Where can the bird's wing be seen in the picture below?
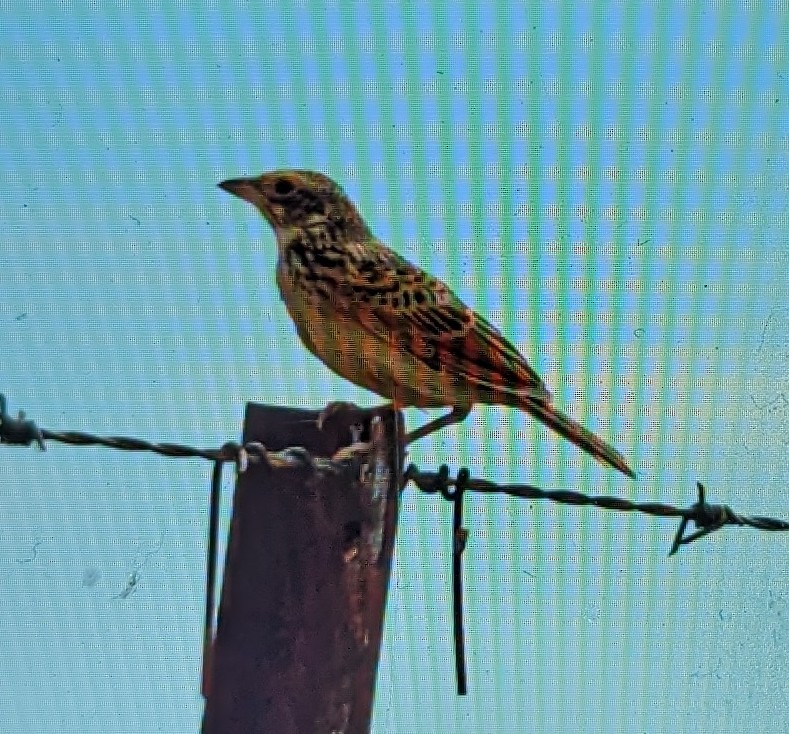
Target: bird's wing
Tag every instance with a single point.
(413, 311)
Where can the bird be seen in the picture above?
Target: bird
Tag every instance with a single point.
(385, 324)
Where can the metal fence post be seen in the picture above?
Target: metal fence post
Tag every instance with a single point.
(306, 574)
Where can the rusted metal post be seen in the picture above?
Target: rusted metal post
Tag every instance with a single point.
(305, 580)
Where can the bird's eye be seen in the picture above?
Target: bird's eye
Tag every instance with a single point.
(283, 187)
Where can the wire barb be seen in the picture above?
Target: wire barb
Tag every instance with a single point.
(705, 516)
(18, 431)
(709, 518)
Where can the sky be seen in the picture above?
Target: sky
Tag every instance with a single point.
(606, 182)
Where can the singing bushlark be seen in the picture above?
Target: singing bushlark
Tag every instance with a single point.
(384, 323)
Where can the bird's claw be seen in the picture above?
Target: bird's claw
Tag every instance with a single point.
(339, 409)
(356, 449)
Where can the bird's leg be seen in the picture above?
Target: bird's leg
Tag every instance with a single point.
(457, 414)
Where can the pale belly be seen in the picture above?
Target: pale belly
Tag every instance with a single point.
(366, 359)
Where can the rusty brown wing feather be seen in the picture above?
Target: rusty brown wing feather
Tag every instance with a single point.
(411, 311)
(415, 312)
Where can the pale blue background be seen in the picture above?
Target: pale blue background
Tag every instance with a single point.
(607, 182)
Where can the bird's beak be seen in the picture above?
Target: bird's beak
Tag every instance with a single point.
(244, 188)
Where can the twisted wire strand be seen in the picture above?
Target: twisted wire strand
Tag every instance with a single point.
(705, 516)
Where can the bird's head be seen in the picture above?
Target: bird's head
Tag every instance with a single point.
(297, 199)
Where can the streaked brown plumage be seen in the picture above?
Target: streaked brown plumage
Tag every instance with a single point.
(385, 324)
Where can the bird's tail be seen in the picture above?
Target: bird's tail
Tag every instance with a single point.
(580, 436)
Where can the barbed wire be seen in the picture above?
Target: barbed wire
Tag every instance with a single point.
(20, 431)
(706, 517)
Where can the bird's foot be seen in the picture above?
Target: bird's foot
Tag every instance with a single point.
(355, 450)
(358, 419)
(340, 410)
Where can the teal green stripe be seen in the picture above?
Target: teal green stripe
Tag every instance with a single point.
(594, 300)
(392, 162)
(274, 110)
(646, 277)
(713, 254)
(510, 564)
(299, 89)
(416, 125)
(354, 67)
(415, 592)
(558, 447)
(331, 140)
(623, 164)
(505, 135)
(535, 163)
(677, 366)
(540, 542)
(480, 263)
(448, 142)
(622, 336)
(563, 273)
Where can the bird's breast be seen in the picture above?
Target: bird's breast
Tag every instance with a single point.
(330, 329)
